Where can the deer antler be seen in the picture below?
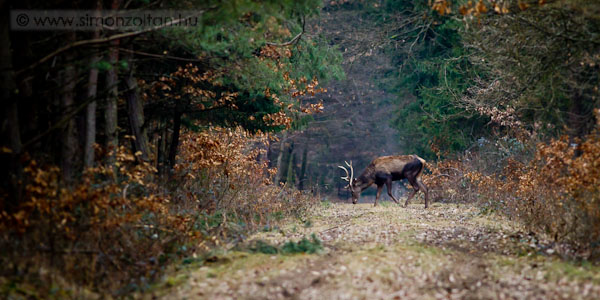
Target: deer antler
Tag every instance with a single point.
(351, 171)
(347, 174)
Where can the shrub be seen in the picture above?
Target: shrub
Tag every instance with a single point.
(556, 193)
(221, 173)
(98, 233)
(116, 229)
(446, 182)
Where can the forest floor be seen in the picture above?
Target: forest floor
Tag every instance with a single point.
(448, 251)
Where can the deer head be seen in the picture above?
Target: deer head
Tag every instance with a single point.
(351, 181)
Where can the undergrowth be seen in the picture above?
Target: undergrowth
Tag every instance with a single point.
(555, 191)
(117, 229)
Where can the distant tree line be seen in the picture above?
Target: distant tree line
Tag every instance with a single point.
(72, 98)
(469, 70)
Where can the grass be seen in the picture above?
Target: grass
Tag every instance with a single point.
(260, 255)
(305, 245)
(360, 261)
(176, 280)
(389, 203)
(575, 270)
(236, 262)
(326, 203)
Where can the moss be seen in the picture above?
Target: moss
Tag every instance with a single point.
(580, 271)
(176, 280)
(303, 246)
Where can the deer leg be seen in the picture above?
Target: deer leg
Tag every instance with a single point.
(379, 187)
(414, 191)
(388, 183)
(412, 194)
(425, 191)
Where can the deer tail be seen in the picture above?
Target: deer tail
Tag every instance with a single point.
(422, 166)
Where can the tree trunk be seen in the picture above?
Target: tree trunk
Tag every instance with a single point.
(161, 149)
(8, 85)
(11, 112)
(269, 152)
(12, 117)
(135, 110)
(280, 170)
(110, 113)
(302, 177)
(90, 110)
(174, 138)
(577, 120)
(25, 98)
(68, 135)
(289, 168)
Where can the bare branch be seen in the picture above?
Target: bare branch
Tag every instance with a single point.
(103, 40)
(294, 40)
(159, 55)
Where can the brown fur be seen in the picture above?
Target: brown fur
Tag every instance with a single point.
(385, 169)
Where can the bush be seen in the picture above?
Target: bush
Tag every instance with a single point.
(116, 229)
(220, 172)
(556, 193)
(446, 182)
(559, 193)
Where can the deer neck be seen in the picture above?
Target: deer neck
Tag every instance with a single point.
(362, 183)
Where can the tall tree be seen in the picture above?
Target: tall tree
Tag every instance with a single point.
(11, 111)
(7, 82)
(135, 112)
(92, 90)
(302, 176)
(177, 114)
(68, 149)
(112, 84)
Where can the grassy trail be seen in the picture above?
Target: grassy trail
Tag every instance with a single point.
(390, 252)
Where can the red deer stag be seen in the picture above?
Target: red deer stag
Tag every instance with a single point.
(384, 170)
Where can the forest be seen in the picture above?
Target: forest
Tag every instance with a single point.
(190, 149)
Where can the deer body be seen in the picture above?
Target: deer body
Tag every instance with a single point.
(383, 171)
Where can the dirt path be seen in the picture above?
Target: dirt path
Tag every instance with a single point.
(390, 252)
